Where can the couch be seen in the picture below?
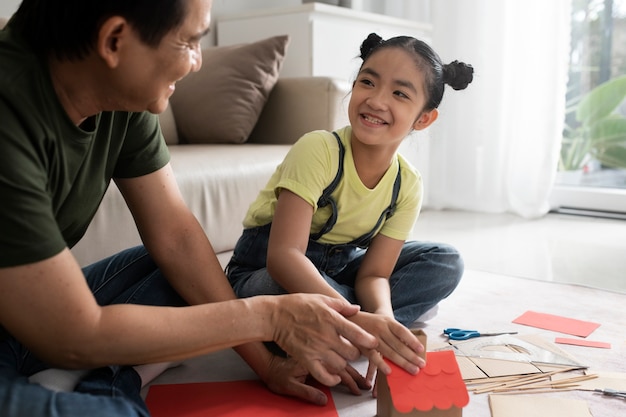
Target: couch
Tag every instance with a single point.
(227, 128)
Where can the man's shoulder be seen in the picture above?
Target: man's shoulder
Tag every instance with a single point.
(18, 64)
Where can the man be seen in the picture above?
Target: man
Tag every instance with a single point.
(80, 84)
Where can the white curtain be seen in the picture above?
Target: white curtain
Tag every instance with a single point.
(495, 146)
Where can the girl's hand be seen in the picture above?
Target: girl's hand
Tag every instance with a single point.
(395, 342)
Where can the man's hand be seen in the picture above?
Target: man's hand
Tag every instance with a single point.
(288, 377)
(313, 329)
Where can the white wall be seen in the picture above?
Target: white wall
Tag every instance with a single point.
(418, 10)
(8, 7)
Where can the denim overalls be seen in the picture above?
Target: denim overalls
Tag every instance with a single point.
(425, 273)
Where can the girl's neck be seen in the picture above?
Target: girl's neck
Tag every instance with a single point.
(371, 162)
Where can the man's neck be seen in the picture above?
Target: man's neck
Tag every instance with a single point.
(75, 88)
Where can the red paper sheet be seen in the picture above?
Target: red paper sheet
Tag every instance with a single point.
(231, 398)
(557, 323)
(581, 342)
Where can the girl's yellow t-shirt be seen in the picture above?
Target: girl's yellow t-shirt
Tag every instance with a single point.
(311, 165)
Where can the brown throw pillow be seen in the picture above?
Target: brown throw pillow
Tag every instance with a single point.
(222, 102)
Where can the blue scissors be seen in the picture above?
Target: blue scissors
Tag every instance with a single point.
(462, 334)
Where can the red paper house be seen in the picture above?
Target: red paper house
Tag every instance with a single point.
(437, 390)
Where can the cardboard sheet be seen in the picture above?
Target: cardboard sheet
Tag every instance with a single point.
(557, 323)
(230, 398)
(525, 406)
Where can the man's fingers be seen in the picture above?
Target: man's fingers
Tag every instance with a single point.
(376, 361)
(343, 307)
(350, 383)
(356, 336)
(321, 374)
(308, 393)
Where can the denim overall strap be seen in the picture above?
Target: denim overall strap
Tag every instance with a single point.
(326, 199)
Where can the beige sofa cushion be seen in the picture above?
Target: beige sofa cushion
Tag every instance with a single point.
(222, 102)
(218, 183)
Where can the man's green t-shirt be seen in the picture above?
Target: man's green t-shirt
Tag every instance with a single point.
(53, 174)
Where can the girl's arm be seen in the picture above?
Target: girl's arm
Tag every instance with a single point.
(286, 256)
(396, 342)
(288, 265)
(372, 281)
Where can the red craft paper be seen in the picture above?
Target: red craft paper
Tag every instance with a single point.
(581, 342)
(557, 323)
(230, 398)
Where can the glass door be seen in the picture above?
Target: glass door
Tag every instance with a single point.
(591, 178)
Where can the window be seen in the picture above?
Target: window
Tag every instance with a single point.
(593, 153)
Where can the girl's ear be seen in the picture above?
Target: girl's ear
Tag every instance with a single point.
(112, 36)
(425, 119)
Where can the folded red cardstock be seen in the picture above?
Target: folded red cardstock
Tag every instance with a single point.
(230, 398)
(557, 323)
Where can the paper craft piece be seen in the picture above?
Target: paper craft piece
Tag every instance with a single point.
(581, 342)
(469, 370)
(507, 355)
(497, 368)
(437, 390)
(557, 323)
(523, 406)
(231, 398)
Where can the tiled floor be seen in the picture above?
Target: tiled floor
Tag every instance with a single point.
(557, 247)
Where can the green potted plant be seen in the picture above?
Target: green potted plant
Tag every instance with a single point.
(599, 132)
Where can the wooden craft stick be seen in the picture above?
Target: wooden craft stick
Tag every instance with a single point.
(522, 381)
(538, 391)
(492, 380)
(568, 383)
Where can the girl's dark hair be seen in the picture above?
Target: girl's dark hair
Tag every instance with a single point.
(456, 74)
(69, 28)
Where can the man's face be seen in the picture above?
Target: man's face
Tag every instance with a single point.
(148, 75)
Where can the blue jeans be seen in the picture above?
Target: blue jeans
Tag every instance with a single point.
(128, 277)
(425, 273)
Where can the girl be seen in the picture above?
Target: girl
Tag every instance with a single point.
(334, 217)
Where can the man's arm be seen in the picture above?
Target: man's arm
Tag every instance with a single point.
(48, 306)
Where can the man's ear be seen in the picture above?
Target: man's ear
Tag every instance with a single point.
(425, 119)
(111, 38)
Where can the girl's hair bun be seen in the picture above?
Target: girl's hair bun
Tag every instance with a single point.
(371, 42)
(458, 74)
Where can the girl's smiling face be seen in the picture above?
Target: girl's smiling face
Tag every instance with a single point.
(387, 98)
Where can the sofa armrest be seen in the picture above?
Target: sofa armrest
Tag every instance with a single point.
(299, 105)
